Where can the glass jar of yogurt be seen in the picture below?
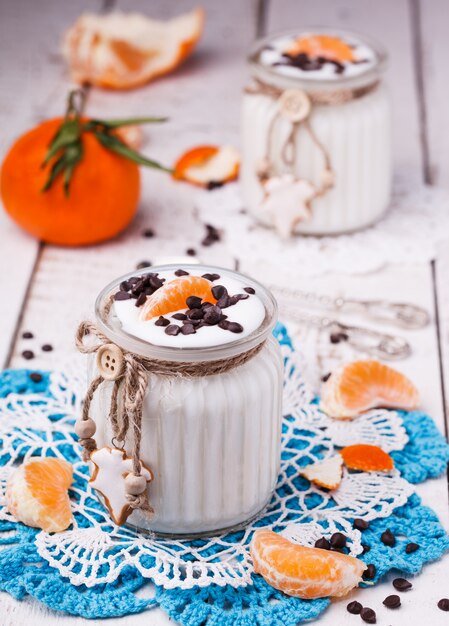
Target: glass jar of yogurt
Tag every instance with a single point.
(210, 427)
(316, 132)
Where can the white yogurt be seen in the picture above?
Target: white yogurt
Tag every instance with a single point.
(212, 442)
(356, 135)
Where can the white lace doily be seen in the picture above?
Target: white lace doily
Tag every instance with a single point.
(95, 551)
(414, 225)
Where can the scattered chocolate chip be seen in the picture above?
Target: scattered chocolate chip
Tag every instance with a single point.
(214, 184)
(249, 290)
(337, 337)
(191, 251)
(322, 543)
(354, 608)
(411, 547)
(122, 295)
(233, 327)
(193, 302)
(443, 604)
(360, 524)
(212, 235)
(370, 572)
(181, 273)
(402, 584)
(27, 335)
(179, 316)
(195, 314)
(366, 548)
(392, 602)
(28, 354)
(338, 540)
(188, 329)
(141, 299)
(148, 232)
(211, 277)
(47, 347)
(325, 377)
(368, 615)
(172, 329)
(36, 377)
(143, 264)
(161, 321)
(218, 291)
(387, 538)
(238, 296)
(212, 315)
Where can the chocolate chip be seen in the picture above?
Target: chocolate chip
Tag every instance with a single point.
(193, 302)
(156, 282)
(211, 277)
(179, 316)
(191, 251)
(181, 273)
(125, 286)
(122, 295)
(249, 290)
(218, 291)
(224, 301)
(141, 299)
(322, 543)
(370, 572)
(338, 540)
(387, 538)
(148, 232)
(27, 335)
(212, 235)
(172, 329)
(402, 584)
(47, 347)
(392, 602)
(366, 548)
(360, 524)
(443, 604)
(161, 321)
(368, 615)
(411, 547)
(143, 264)
(188, 329)
(28, 354)
(325, 377)
(238, 296)
(212, 315)
(354, 608)
(36, 377)
(214, 184)
(337, 337)
(195, 314)
(206, 305)
(233, 327)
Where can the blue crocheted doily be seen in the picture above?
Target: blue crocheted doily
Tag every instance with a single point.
(23, 572)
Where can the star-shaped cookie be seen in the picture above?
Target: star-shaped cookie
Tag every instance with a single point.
(110, 468)
(287, 202)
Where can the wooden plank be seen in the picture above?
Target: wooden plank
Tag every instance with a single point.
(434, 52)
(389, 23)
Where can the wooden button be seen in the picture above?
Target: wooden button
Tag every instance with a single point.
(294, 104)
(110, 361)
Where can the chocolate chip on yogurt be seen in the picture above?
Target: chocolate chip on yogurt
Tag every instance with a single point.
(141, 299)
(179, 316)
(218, 291)
(181, 273)
(173, 330)
(233, 327)
(212, 315)
(193, 302)
(188, 329)
(249, 290)
(161, 321)
(211, 277)
(122, 295)
(195, 314)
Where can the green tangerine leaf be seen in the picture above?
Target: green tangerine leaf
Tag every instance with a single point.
(111, 142)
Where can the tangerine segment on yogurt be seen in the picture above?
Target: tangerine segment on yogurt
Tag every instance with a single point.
(324, 46)
(37, 494)
(208, 166)
(301, 571)
(362, 385)
(173, 294)
(366, 458)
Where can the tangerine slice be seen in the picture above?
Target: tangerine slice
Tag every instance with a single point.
(325, 473)
(301, 571)
(172, 296)
(36, 494)
(362, 385)
(125, 50)
(206, 165)
(367, 458)
(326, 46)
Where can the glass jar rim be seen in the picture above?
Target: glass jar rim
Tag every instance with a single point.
(273, 77)
(110, 325)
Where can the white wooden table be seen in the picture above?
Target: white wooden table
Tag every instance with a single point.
(48, 290)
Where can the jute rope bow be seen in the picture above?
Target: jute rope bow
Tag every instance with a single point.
(130, 381)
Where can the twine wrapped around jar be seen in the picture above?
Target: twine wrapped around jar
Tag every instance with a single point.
(129, 373)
